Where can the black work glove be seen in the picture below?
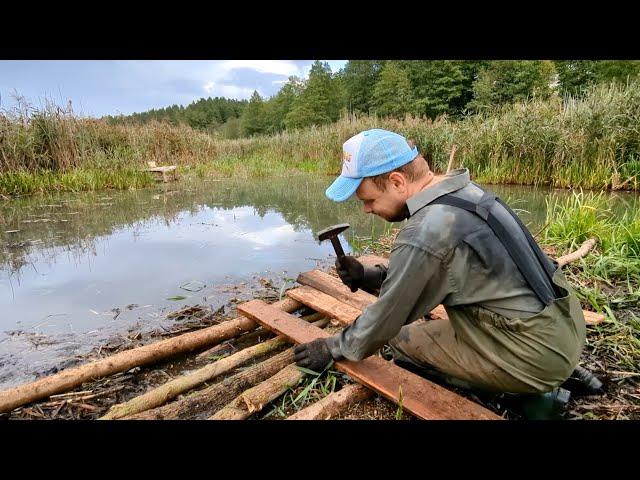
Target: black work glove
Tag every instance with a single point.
(350, 271)
(355, 275)
(313, 355)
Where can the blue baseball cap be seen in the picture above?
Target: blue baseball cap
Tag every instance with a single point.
(368, 154)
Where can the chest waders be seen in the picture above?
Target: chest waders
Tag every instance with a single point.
(542, 275)
(534, 265)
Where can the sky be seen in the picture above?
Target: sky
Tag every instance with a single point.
(111, 87)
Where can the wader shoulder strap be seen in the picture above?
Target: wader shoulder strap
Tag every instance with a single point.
(536, 268)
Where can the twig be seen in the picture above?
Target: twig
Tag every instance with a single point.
(71, 394)
(86, 406)
(451, 155)
(543, 228)
(57, 410)
(106, 392)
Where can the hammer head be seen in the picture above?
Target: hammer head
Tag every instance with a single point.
(332, 231)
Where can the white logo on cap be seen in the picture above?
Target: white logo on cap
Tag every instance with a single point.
(350, 150)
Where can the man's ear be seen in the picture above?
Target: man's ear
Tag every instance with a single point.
(398, 180)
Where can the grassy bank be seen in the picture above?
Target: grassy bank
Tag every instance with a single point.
(607, 280)
(592, 143)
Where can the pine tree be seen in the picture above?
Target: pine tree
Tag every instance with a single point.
(437, 86)
(253, 118)
(359, 78)
(320, 101)
(392, 92)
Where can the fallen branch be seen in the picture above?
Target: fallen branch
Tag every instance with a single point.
(126, 360)
(254, 399)
(334, 403)
(581, 252)
(217, 396)
(169, 391)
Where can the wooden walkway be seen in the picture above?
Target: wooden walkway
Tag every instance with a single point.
(163, 172)
(326, 294)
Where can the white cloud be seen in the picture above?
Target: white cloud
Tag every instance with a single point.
(218, 72)
(276, 67)
(209, 87)
(229, 91)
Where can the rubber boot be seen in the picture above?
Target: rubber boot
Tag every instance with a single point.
(583, 382)
(539, 406)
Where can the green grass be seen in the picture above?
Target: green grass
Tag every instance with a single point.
(315, 386)
(612, 276)
(75, 180)
(607, 280)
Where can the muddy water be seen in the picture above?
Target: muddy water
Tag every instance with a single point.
(76, 269)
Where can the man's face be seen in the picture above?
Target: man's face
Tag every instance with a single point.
(388, 204)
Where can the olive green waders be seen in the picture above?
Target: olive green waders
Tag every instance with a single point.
(477, 348)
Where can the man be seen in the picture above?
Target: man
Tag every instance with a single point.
(514, 324)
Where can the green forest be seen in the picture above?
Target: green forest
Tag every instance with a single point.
(391, 88)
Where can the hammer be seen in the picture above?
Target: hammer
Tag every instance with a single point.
(331, 233)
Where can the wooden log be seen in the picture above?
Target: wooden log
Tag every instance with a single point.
(170, 390)
(126, 360)
(586, 246)
(592, 318)
(417, 395)
(334, 403)
(218, 395)
(254, 399)
(326, 304)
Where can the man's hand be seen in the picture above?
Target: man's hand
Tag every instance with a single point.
(313, 355)
(350, 271)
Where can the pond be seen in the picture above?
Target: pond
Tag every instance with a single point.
(76, 269)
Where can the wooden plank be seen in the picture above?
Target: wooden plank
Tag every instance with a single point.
(333, 286)
(590, 318)
(325, 304)
(418, 396)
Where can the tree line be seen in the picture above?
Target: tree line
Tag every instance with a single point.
(393, 88)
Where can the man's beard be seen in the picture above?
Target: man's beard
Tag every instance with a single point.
(402, 214)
